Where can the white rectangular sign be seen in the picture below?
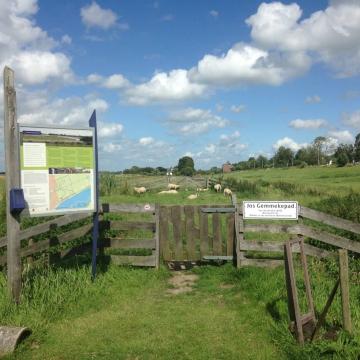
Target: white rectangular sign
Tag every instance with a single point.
(277, 210)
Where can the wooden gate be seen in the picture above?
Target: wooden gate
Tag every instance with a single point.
(190, 233)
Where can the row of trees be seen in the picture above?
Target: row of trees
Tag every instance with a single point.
(321, 151)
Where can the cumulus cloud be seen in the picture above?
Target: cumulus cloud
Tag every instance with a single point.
(146, 140)
(27, 48)
(191, 121)
(308, 124)
(66, 39)
(343, 136)
(237, 108)
(352, 119)
(288, 143)
(228, 147)
(114, 81)
(93, 15)
(246, 64)
(214, 13)
(172, 86)
(108, 130)
(313, 99)
(332, 34)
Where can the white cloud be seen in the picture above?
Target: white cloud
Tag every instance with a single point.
(288, 143)
(27, 48)
(93, 15)
(214, 13)
(308, 124)
(237, 108)
(146, 141)
(245, 64)
(94, 78)
(352, 119)
(332, 34)
(115, 81)
(192, 121)
(313, 99)
(343, 136)
(108, 130)
(162, 87)
(36, 108)
(36, 67)
(66, 39)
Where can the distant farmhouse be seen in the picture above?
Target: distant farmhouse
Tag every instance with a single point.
(227, 168)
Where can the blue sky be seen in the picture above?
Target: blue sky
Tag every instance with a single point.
(216, 80)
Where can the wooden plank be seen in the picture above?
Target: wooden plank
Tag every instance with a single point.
(157, 236)
(330, 220)
(309, 297)
(164, 233)
(118, 243)
(189, 225)
(344, 286)
(293, 298)
(218, 257)
(46, 226)
(323, 314)
(331, 239)
(61, 239)
(217, 246)
(176, 221)
(128, 208)
(273, 228)
(276, 246)
(204, 234)
(262, 262)
(196, 233)
(132, 225)
(134, 260)
(230, 232)
(220, 210)
(12, 180)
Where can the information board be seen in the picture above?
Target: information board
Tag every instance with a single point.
(277, 210)
(57, 170)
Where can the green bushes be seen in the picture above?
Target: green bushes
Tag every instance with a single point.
(243, 186)
(110, 185)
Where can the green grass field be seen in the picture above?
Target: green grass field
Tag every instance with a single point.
(231, 314)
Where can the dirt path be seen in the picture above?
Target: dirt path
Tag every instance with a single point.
(182, 283)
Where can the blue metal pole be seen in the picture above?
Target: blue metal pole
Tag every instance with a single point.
(95, 232)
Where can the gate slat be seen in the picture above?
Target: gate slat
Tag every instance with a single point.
(217, 234)
(176, 221)
(230, 234)
(189, 225)
(204, 234)
(164, 233)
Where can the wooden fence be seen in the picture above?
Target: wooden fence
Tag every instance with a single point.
(184, 233)
(52, 237)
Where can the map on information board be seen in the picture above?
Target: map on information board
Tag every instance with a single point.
(57, 170)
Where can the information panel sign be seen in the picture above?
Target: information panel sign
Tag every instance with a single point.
(277, 210)
(57, 170)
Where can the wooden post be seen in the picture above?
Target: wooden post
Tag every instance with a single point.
(12, 160)
(157, 236)
(344, 286)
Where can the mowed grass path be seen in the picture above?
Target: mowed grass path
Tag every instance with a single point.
(127, 314)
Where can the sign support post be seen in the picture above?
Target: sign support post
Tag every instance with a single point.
(95, 232)
(11, 140)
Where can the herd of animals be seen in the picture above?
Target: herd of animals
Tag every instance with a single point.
(173, 189)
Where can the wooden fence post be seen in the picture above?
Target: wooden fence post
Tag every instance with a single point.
(12, 158)
(344, 286)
